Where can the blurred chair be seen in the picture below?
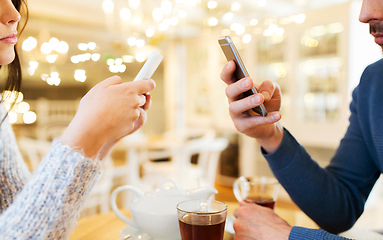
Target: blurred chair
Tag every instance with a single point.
(208, 153)
(50, 131)
(149, 161)
(186, 134)
(54, 116)
(172, 140)
(126, 164)
(193, 164)
(33, 150)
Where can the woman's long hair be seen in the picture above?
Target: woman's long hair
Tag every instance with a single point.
(13, 82)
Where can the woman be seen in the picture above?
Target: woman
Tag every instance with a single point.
(45, 205)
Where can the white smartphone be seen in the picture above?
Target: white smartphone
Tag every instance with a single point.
(150, 66)
(232, 53)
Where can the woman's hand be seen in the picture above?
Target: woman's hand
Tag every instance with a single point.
(137, 124)
(267, 130)
(108, 112)
(143, 113)
(256, 222)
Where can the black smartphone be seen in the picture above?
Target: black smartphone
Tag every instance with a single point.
(232, 53)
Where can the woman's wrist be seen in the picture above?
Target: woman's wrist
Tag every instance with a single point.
(80, 139)
(107, 148)
(272, 143)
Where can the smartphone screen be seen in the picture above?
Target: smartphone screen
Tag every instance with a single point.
(232, 53)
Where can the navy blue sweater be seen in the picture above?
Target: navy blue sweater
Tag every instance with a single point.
(334, 196)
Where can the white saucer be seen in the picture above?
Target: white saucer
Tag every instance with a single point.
(229, 224)
(132, 233)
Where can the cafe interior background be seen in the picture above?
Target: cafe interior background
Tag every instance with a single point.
(315, 50)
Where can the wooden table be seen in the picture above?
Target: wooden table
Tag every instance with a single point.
(108, 226)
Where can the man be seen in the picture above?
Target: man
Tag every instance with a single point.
(334, 196)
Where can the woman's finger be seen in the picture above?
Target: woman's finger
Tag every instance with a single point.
(140, 87)
(142, 100)
(148, 102)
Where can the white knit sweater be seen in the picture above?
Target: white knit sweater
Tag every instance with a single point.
(44, 205)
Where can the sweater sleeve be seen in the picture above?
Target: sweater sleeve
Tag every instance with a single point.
(45, 205)
(48, 205)
(300, 233)
(14, 172)
(334, 196)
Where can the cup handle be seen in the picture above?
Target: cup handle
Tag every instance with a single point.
(236, 189)
(117, 211)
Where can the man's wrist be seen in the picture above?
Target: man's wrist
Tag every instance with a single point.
(271, 144)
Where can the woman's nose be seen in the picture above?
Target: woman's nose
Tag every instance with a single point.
(9, 14)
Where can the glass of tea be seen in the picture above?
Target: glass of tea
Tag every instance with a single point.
(202, 219)
(260, 190)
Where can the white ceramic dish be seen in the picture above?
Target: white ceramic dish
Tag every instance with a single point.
(132, 233)
(229, 224)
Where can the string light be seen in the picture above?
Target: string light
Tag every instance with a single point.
(32, 67)
(140, 43)
(92, 45)
(213, 21)
(246, 38)
(253, 22)
(158, 15)
(23, 107)
(140, 57)
(182, 14)
(95, 57)
(51, 58)
(52, 79)
(166, 7)
(235, 6)
(125, 14)
(132, 41)
(212, 5)
(127, 58)
(149, 32)
(80, 75)
(82, 46)
(29, 117)
(300, 18)
(135, 4)
(29, 44)
(108, 6)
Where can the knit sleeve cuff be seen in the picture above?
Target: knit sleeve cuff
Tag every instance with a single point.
(50, 202)
(285, 153)
(300, 233)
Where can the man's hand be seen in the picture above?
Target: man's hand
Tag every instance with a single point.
(267, 130)
(256, 222)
